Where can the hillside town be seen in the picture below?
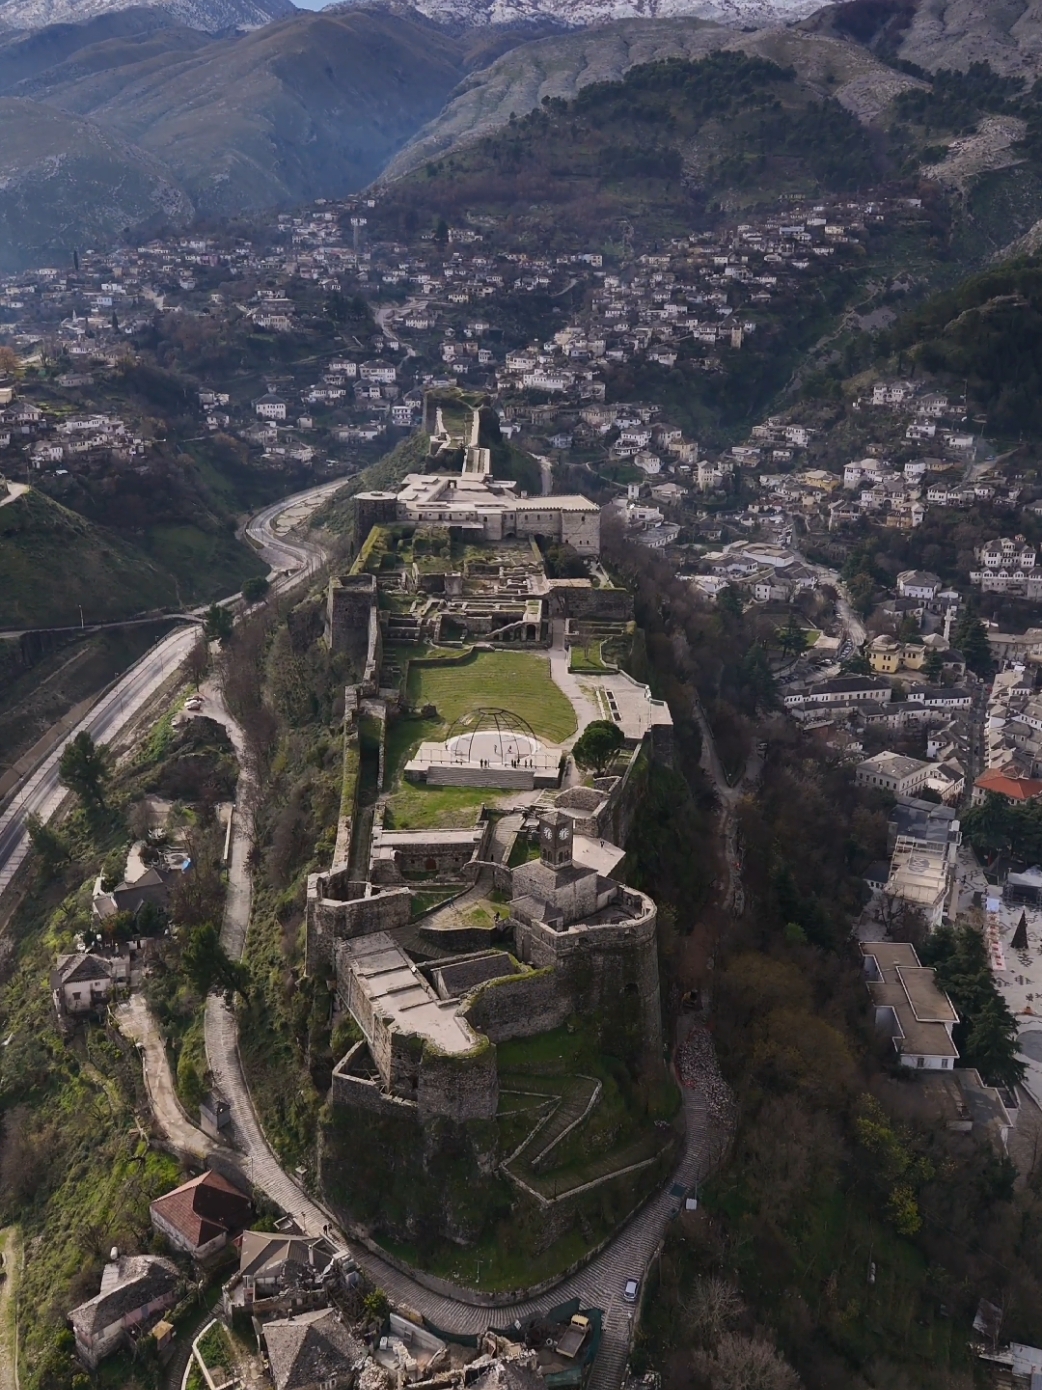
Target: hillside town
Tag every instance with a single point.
(469, 906)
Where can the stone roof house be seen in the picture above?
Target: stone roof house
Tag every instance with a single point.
(199, 1216)
(134, 1288)
(312, 1351)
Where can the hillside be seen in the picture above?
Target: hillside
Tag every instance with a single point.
(64, 182)
(937, 34)
(581, 13)
(127, 128)
(667, 142)
(559, 67)
(53, 561)
(987, 333)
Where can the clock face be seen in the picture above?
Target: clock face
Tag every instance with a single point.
(562, 834)
(548, 833)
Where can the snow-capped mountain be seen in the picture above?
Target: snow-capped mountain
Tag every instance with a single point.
(578, 14)
(210, 16)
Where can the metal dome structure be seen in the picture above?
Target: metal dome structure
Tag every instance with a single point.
(497, 737)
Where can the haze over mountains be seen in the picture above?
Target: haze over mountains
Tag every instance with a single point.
(133, 119)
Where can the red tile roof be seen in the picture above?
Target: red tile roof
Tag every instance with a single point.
(1013, 788)
(204, 1208)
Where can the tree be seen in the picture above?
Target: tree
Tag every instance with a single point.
(49, 845)
(862, 589)
(729, 602)
(9, 362)
(991, 1044)
(971, 638)
(791, 638)
(856, 665)
(209, 966)
(744, 1363)
(84, 769)
(933, 666)
(199, 659)
(989, 827)
(254, 588)
(219, 624)
(597, 745)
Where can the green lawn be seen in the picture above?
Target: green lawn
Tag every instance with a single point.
(516, 681)
(415, 806)
(588, 657)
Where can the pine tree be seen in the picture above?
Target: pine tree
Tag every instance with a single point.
(971, 638)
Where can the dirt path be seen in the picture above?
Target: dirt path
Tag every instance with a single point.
(136, 1022)
(11, 1245)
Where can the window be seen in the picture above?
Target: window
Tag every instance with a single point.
(920, 1061)
(944, 1063)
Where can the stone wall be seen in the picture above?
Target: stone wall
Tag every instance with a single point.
(608, 605)
(348, 793)
(331, 918)
(364, 1094)
(519, 1006)
(458, 1088)
(350, 609)
(609, 969)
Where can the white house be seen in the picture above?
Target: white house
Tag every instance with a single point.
(893, 772)
(918, 584)
(916, 1014)
(270, 407)
(82, 981)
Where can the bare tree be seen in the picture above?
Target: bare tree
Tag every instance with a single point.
(902, 920)
(745, 1363)
(711, 1309)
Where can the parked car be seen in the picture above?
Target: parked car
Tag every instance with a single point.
(630, 1290)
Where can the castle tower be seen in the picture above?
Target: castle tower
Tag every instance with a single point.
(555, 839)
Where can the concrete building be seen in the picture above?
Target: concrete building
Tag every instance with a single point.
(909, 1006)
(923, 874)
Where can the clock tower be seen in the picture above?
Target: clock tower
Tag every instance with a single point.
(555, 839)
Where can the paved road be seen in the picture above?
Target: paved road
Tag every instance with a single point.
(42, 792)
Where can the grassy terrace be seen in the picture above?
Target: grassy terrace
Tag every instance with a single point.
(559, 1070)
(515, 681)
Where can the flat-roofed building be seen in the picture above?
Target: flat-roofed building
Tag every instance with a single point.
(922, 872)
(423, 1048)
(893, 772)
(910, 1006)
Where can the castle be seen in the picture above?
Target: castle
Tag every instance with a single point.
(583, 944)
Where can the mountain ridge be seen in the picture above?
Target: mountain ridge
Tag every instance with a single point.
(577, 14)
(209, 16)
